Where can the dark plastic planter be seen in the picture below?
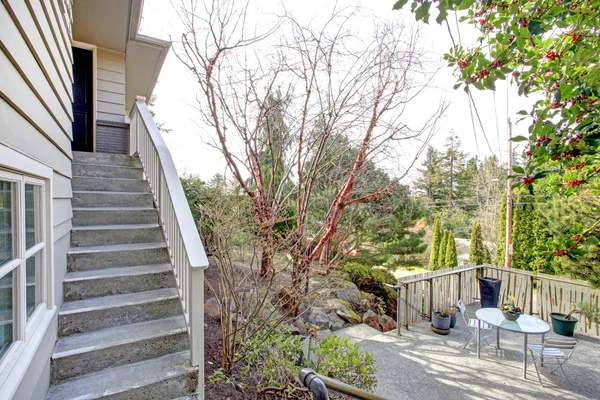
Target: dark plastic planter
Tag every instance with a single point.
(452, 321)
(489, 291)
(561, 326)
(440, 322)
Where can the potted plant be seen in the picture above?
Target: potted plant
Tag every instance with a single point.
(510, 310)
(564, 324)
(441, 319)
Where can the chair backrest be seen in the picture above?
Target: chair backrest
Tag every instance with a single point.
(565, 344)
(463, 312)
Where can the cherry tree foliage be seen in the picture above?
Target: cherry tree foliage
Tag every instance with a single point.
(549, 49)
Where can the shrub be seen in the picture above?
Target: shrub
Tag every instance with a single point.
(372, 280)
(339, 359)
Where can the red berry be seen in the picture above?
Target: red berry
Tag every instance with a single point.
(528, 180)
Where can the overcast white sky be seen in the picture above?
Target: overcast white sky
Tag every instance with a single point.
(175, 89)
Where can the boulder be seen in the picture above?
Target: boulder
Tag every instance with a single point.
(322, 334)
(336, 321)
(372, 319)
(387, 323)
(212, 308)
(350, 293)
(319, 317)
(343, 309)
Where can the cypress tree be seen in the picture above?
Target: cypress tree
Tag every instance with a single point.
(476, 249)
(523, 236)
(436, 238)
(501, 243)
(441, 259)
(451, 255)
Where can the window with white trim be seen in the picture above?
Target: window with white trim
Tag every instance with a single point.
(22, 255)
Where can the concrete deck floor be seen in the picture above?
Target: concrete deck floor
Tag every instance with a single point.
(423, 365)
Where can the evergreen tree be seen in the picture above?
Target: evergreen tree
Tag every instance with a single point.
(542, 258)
(501, 243)
(435, 243)
(451, 255)
(453, 162)
(523, 238)
(477, 251)
(441, 257)
(430, 181)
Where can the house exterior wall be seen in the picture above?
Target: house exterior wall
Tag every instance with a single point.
(35, 124)
(111, 86)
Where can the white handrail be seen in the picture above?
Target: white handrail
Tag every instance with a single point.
(188, 257)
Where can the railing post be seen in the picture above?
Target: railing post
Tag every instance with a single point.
(196, 315)
(398, 307)
(459, 286)
(531, 280)
(406, 306)
(430, 298)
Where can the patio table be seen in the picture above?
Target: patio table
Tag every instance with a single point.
(526, 324)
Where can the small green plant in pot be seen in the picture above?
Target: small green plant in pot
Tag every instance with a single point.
(564, 324)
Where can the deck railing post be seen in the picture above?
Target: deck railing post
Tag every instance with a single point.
(398, 308)
(459, 286)
(406, 306)
(430, 299)
(531, 280)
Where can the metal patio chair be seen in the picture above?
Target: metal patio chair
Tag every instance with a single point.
(471, 324)
(558, 351)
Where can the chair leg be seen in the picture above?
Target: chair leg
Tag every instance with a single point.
(536, 368)
(469, 339)
(565, 375)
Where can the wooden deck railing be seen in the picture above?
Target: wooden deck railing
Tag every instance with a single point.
(537, 294)
(188, 258)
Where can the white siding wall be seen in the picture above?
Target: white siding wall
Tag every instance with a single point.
(111, 86)
(35, 119)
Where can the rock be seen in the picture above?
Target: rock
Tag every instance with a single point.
(336, 321)
(372, 319)
(387, 323)
(319, 317)
(212, 308)
(350, 294)
(322, 334)
(343, 309)
(294, 330)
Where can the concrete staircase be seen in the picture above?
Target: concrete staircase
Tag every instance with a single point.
(122, 333)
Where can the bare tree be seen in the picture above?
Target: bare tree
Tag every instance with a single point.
(319, 82)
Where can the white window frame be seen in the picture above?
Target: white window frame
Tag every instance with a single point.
(18, 168)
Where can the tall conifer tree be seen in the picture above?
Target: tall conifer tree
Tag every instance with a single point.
(501, 246)
(451, 255)
(436, 238)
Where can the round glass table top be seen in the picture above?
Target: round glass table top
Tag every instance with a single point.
(524, 324)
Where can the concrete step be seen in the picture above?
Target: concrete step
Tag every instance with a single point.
(89, 352)
(97, 235)
(83, 183)
(107, 171)
(104, 312)
(116, 255)
(114, 281)
(81, 157)
(114, 216)
(159, 378)
(86, 199)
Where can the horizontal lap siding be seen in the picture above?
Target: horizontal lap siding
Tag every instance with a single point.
(111, 86)
(35, 90)
(35, 119)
